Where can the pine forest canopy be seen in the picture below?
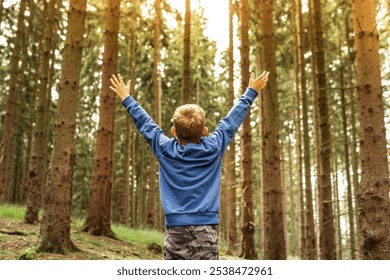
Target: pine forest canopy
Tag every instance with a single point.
(319, 134)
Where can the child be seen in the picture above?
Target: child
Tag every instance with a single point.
(190, 169)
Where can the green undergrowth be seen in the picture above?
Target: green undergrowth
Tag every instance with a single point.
(15, 212)
(141, 236)
(19, 240)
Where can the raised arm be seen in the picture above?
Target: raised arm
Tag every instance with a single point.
(152, 133)
(229, 125)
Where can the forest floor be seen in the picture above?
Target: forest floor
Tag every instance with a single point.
(18, 240)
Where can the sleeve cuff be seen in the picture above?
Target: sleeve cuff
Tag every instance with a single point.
(128, 101)
(251, 93)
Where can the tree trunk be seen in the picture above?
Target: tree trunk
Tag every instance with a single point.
(156, 88)
(160, 217)
(32, 65)
(292, 240)
(274, 239)
(373, 191)
(17, 145)
(231, 174)
(354, 132)
(37, 170)
(298, 130)
(129, 124)
(260, 169)
(8, 125)
(247, 222)
(186, 83)
(99, 210)
(309, 243)
(124, 199)
(127, 197)
(55, 225)
(224, 212)
(347, 163)
(310, 234)
(134, 187)
(337, 211)
(326, 218)
(119, 185)
(142, 197)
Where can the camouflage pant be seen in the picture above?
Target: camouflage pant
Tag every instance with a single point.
(191, 243)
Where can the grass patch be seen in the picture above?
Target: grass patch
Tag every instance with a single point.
(141, 236)
(15, 212)
(77, 223)
(8, 255)
(94, 242)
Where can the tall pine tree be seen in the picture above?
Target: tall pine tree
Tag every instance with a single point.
(37, 172)
(8, 126)
(57, 199)
(373, 192)
(274, 239)
(99, 210)
(248, 220)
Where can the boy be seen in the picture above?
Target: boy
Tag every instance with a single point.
(190, 168)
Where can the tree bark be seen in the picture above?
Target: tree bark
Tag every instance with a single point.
(99, 210)
(37, 171)
(135, 188)
(224, 212)
(291, 190)
(17, 145)
(55, 225)
(336, 205)
(350, 197)
(130, 126)
(298, 131)
(308, 233)
(354, 132)
(247, 222)
(34, 34)
(8, 125)
(231, 174)
(274, 239)
(142, 186)
(302, 88)
(373, 192)
(127, 195)
(156, 88)
(326, 218)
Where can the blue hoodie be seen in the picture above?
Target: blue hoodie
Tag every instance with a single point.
(190, 175)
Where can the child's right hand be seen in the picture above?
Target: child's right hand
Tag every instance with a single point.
(259, 83)
(119, 87)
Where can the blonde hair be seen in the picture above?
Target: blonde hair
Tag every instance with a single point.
(189, 122)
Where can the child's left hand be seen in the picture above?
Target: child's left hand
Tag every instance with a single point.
(119, 87)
